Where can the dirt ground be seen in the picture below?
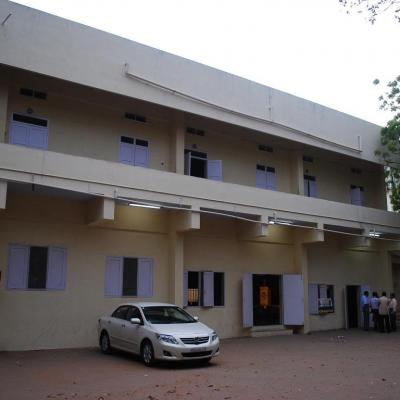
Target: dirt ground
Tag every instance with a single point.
(345, 365)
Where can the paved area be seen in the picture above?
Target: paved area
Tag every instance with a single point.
(331, 365)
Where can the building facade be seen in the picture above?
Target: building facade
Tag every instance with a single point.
(128, 173)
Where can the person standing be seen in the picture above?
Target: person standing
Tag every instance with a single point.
(392, 312)
(365, 309)
(374, 303)
(384, 313)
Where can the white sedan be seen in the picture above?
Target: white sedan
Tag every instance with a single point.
(157, 331)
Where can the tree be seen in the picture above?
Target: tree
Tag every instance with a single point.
(390, 141)
(374, 7)
(390, 101)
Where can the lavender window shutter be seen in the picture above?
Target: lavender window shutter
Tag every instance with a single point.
(18, 262)
(247, 297)
(113, 278)
(214, 170)
(56, 268)
(208, 289)
(145, 277)
(313, 298)
(271, 180)
(313, 188)
(126, 152)
(260, 179)
(141, 156)
(185, 288)
(38, 137)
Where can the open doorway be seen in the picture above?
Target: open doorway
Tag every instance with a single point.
(267, 299)
(352, 299)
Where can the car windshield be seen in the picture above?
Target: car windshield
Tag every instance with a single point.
(167, 315)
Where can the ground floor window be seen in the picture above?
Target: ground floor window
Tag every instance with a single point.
(129, 276)
(204, 288)
(321, 298)
(37, 267)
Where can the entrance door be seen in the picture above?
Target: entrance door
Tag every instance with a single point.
(352, 296)
(267, 299)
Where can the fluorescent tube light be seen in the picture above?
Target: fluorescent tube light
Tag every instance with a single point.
(144, 206)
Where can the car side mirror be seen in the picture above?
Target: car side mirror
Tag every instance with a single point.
(136, 321)
(196, 318)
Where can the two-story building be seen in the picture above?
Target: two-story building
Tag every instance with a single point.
(129, 173)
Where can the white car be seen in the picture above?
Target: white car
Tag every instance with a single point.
(157, 331)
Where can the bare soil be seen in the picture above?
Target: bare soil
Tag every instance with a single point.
(345, 365)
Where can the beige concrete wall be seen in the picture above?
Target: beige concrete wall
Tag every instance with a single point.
(215, 247)
(88, 127)
(35, 319)
(331, 264)
(239, 158)
(3, 109)
(56, 47)
(335, 178)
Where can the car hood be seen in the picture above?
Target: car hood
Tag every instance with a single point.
(195, 328)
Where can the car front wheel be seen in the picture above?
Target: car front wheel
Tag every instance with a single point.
(147, 353)
(105, 345)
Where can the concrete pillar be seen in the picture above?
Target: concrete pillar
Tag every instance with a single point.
(386, 272)
(301, 265)
(176, 261)
(177, 145)
(3, 111)
(296, 173)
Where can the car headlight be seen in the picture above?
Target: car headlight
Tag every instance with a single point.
(167, 339)
(214, 336)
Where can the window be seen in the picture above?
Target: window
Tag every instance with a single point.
(120, 312)
(133, 312)
(197, 164)
(321, 298)
(127, 276)
(266, 177)
(357, 195)
(29, 131)
(195, 131)
(262, 147)
(310, 186)
(134, 152)
(206, 288)
(34, 267)
(135, 117)
(33, 93)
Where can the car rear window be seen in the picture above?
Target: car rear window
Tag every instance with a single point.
(167, 315)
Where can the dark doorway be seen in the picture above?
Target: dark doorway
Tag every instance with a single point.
(198, 163)
(266, 300)
(352, 293)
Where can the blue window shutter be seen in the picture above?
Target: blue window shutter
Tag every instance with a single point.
(145, 277)
(214, 170)
(113, 277)
(313, 298)
(141, 156)
(208, 289)
(247, 297)
(56, 268)
(185, 288)
(271, 180)
(126, 153)
(18, 263)
(261, 181)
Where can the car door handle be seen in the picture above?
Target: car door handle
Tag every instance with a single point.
(123, 325)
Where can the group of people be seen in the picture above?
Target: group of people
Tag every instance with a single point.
(383, 311)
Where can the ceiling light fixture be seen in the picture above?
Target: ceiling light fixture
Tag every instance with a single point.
(144, 206)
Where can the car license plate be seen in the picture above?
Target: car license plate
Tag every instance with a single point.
(197, 349)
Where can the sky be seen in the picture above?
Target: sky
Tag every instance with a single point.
(310, 48)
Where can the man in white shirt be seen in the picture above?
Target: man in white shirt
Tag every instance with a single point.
(384, 313)
(365, 309)
(392, 311)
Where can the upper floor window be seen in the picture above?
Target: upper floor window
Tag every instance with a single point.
(134, 151)
(197, 164)
(357, 195)
(204, 288)
(29, 131)
(310, 186)
(127, 276)
(266, 177)
(35, 267)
